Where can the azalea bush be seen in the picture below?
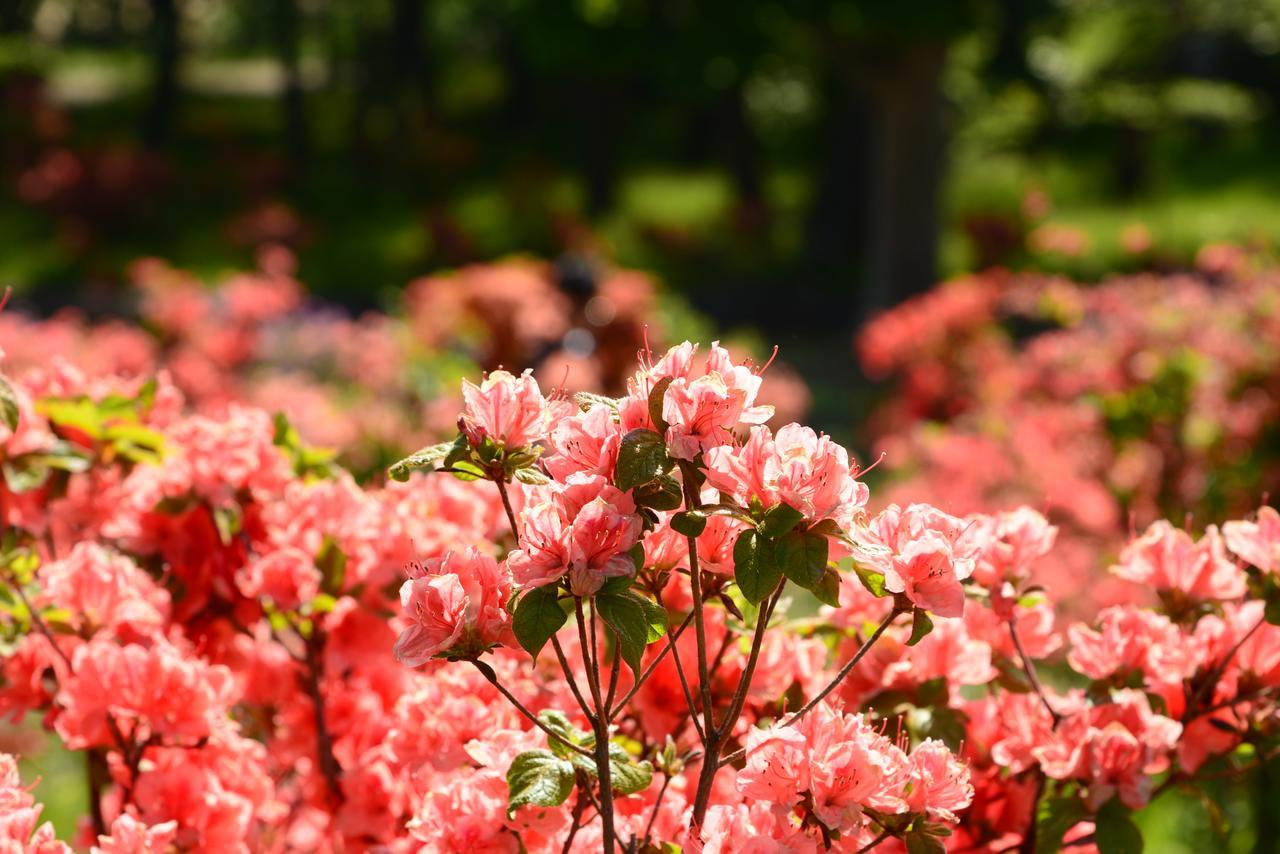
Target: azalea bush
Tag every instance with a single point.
(1106, 406)
(369, 388)
(650, 622)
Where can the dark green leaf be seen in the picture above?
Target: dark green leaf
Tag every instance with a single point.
(827, 590)
(655, 617)
(537, 617)
(636, 553)
(872, 580)
(626, 616)
(921, 625)
(9, 410)
(1114, 830)
(691, 523)
(656, 398)
(755, 567)
(332, 563)
(642, 458)
(662, 493)
(538, 778)
(803, 557)
(779, 519)
(919, 842)
(1056, 816)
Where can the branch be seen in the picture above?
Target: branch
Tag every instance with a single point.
(653, 665)
(487, 672)
(840, 677)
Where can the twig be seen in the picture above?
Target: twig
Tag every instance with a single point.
(648, 671)
(603, 770)
(487, 672)
(831, 686)
(329, 766)
(1029, 668)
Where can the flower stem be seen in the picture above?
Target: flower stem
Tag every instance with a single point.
(601, 725)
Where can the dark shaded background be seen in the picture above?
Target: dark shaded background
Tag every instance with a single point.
(791, 165)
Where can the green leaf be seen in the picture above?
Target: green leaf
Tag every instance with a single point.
(1271, 612)
(9, 410)
(642, 458)
(559, 723)
(423, 459)
(625, 774)
(656, 398)
(538, 778)
(532, 477)
(691, 523)
(630, 623)
(779, 519)
(655, 617)
(586, 401)
(663, 493)
(920, 842)
(827, 590)
(872, 580)
(1056, 816)
(537, 617)
(332, 563)
(228, 519)
(803, 557)
(921, 625)
(755, 567)
(1114, 830)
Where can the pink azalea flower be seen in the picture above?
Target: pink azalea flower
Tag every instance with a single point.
(1165, 558)
(456, 603)
(796, 466)
(152, 691)
(509, 410)
(287, 576)
(584, 528)
(920, 552)
(1258, 541)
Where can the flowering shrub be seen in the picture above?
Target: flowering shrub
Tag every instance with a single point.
(1107, 406)
(370, 388)
(649, 622)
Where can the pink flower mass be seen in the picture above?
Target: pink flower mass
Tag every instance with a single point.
(584, 623)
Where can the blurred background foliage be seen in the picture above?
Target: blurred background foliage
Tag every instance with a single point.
(788, 166)
(848, 151)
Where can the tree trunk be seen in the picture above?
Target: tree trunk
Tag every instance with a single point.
(165, 49)
(907, 162)
(293, 107)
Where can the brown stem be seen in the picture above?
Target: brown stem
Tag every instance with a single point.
(831, 686)
(579, 806)
(506, 505)
(614, 672)
(487, 672)
(1214, 675)
(329, 767)
(688, 695)
(570, 678)
(648, 671)
(653, 816)
(744, 683)
(1029, 668)
(884, 834)
(693, 502)
(96, 772)
(603, 771)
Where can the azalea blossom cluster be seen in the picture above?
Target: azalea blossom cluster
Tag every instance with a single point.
(1106, 406)
(653, 621)
(370, 387)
